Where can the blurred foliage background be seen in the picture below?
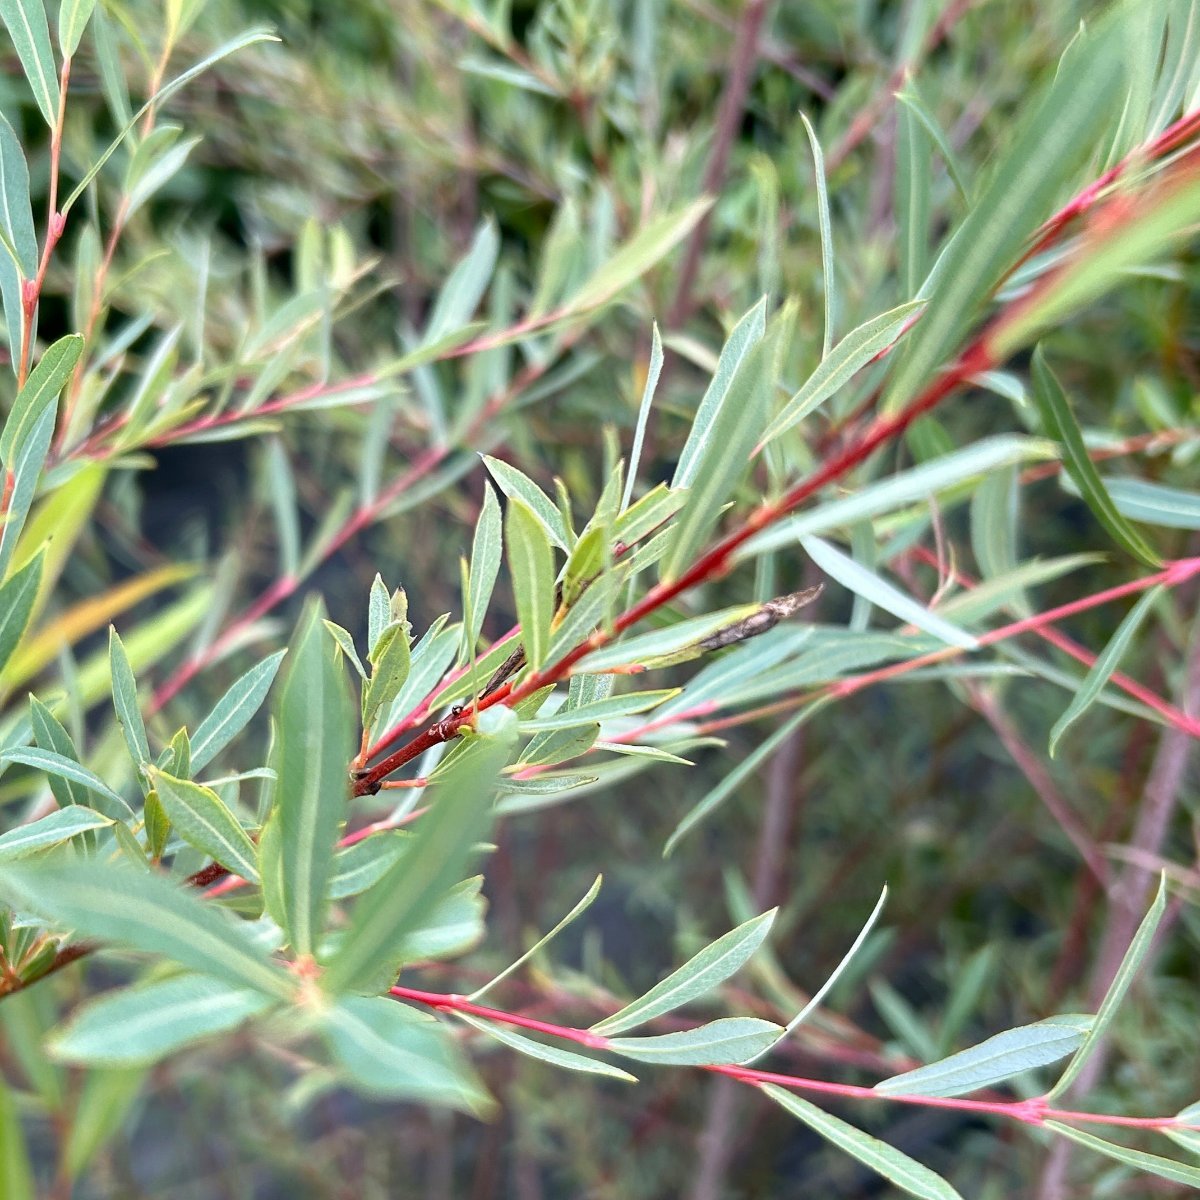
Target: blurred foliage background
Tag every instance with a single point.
(373, 139)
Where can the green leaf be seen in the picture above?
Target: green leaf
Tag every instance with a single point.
(517, 485)
(359, 866)
(125, 702)
(840, 365)
(233, 711)
(906, 1173)
(600, 710)
(1104, 666)
(879, 592)
(73, 16)
(1153, 1164)
(554, 1055)
(19, 252)
(1041, 158)
(41, 389)
(379, 612)
(722, 451)
(913, 199)
(744, 336)
(531, 565)
(141, 911)
(315, 744)
(639, 432)
(652, 243)
(203, 820)
(453, 926)
(1138, 949)
(346, 644)
(17, 597)
(58, 826)
(101, 1108)
(53, 763)
(912, 102)
(698, 976)
(391, 662)
(993, 1061)
(728, 1040)
(580, 908)
(465, 285)
(249, 38)
(1061, 425)
(458, 816)
(826, 228)
(144, 1024)
(49, 734)
(281, 491)
(486, 552)
(1154, 503)
(26, 21)
(390, 1049)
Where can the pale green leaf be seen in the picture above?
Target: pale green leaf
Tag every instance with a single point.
(714, 964)
(531, 565)
(639, 433)
(1106, 663)
(30, 33)
(390, 1049)
(315, 744)
(486, 552)
(993, 1061)
(233, 711)
(138, 910)
(53, 763)
(906, 1173)
(1138, 949)
(73, 16)
(52, 829)
(17, 596)
(203, 820)
(728, 1040)
(554, 1055)
(125, 702)
(1140, 1160)
(144, 1024)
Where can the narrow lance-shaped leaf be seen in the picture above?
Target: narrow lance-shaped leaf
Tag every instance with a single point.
(724, 455)
(203, 820)
(744, 336)
(1041, 158)
(1001, 1057)
(531, 564)
(906, 1173)
(728, 1040)
(390, 1049)
(841, 364)
(826, 228)
(141, 911)
(554, 1055)
(41, 389)
(1134, 956)
(486, 552)
(30, 33)
(699, 975)
(58, 826)
(54, 763)
(73, 16)
(1061, 425)
(639, 434)
(464, 288)
(390, 663)
(233, 711)
(49, 734)
(1104, 666)
(584, 904)
(384, 916)
(19, 249)
(1140, 1160)
(17, 596)
(125, 701)
(315, 743)
(517, 485)
(144, 1024)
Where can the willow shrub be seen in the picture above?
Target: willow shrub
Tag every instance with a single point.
(226, 870)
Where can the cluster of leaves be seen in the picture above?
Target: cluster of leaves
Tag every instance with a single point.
(279, 893)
